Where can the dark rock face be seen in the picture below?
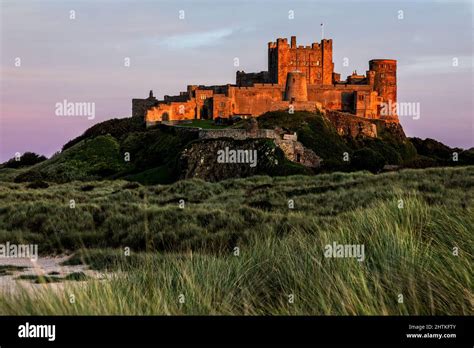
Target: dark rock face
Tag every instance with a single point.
(223, 158)
(395, 129)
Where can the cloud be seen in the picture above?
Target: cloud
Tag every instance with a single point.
(436, 65)
(195, 40)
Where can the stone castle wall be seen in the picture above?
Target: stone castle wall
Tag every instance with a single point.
(237, 134)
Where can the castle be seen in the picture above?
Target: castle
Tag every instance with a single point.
(298, 78)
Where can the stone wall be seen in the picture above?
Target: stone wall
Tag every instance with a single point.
(249, 79)
(237, 134)
(349, 125)
(140, 106)
(172, 111)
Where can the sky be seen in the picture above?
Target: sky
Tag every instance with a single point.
(107, 52)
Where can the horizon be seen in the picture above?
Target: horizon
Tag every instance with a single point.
(82, 59)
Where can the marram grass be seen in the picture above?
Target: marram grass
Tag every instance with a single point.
(408, 253)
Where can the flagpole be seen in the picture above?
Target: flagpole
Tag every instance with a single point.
(322, 31)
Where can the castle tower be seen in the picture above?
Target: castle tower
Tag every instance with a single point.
(315, 61)
(385, 81)
(327, 65)
(296, 87)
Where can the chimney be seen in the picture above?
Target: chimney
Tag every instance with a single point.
(293, 42)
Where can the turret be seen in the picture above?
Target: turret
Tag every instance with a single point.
(296, 87)
(385, 80)
(293, 42)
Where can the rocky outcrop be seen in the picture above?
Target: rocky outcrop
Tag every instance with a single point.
(223, 158)
(348, 124)
(287, 142)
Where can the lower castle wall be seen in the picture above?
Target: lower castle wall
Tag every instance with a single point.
(174, 111)
(261, 98)
(256, 100)
(237, 134)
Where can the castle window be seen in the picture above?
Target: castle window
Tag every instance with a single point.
(203, 96)
(317, 63)
(222, 104)
(382, 75)
(361, 97)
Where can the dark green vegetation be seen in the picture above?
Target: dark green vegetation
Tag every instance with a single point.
(433, 153)
(40, 279)
(27, 159)
(204, 124)
(125, 149)
(317, 133)
(92, 158)
(410, 223)
(9, 269)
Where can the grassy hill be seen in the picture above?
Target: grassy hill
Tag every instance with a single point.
(125, 149)
(409, 222)
(91, 158)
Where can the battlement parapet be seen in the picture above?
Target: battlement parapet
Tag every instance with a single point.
(238, 134)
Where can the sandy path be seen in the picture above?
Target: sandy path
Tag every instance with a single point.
(42, 266)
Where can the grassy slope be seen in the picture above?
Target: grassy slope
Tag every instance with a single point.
(88, 159)
(204, 124)
(408, 251)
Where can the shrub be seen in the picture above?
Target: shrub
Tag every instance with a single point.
(368, 159)
(131, 186)
(27, 159)
(86, 188)
(38, 184)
